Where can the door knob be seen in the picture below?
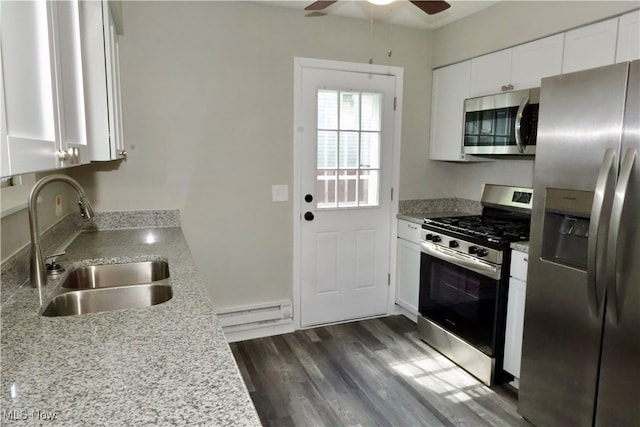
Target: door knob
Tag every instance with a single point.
(308, 216)
(308, 198)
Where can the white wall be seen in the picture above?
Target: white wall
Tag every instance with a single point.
(14, 227)
(470, 178)
(208, 122)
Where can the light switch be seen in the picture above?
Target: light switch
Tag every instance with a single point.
(280, 193)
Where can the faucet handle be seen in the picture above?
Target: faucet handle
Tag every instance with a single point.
(53, 268)
(53, 257)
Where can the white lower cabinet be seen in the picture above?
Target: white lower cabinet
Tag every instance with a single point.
(515, 313)
(408, 266)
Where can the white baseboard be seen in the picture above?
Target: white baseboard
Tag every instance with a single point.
(251, 330)
(258, 332)
(398, 309)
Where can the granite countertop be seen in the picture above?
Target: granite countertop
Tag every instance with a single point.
(418, 218)
(520, 246)
(165, 365)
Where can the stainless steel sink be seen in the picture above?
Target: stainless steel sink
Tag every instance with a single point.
(109, 275)
(109, 287)
(108, 299)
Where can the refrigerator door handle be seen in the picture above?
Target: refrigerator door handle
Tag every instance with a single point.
(606, 177)
(518, 124)
(620, 197)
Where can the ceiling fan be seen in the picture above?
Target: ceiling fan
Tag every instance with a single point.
(430, 7)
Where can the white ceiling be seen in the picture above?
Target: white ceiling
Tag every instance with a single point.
(400, 12)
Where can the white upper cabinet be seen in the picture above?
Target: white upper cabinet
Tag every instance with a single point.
(100, 46)
(42, 87)
(531, 62)
(450, 89)
(628, 48)
(69, 81)
(28, 87)
(591, 46)
(520, 67)
(489, 73)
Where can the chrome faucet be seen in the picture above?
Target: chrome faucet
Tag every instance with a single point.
(38, 274)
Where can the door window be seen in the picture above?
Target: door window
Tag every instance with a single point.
(348, 149)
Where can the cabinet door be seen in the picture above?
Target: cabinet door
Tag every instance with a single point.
(5, 169)
(408, 230)
(29, 83)
(450, 89)
(101, 63)
(112, 53)
(490, 72)
(591, 46)
(531, 62)
(408, 275)
(514, 327)
(628, 48)
(42, 86)
(69, 82)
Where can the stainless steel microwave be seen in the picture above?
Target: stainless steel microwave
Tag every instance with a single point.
(505, 123)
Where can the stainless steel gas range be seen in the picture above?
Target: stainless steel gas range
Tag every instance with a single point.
(464, 275)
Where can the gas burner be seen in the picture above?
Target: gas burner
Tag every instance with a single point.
(482, 227)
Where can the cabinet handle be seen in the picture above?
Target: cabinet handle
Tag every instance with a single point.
(63, 156)
(526, 259)
(413, 227)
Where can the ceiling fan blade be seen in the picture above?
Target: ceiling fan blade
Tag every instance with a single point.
(319, 5)
(431, 7)
(315, 14)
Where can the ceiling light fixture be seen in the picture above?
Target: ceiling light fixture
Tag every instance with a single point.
(380, 2)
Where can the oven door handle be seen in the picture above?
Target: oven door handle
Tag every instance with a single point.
(491, 271)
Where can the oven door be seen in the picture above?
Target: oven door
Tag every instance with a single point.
(462, 295)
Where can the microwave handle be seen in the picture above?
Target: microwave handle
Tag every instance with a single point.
(519, 114)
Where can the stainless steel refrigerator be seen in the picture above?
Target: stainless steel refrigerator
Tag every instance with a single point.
(581, 344)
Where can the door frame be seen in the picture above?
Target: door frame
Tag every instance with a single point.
(300, 64)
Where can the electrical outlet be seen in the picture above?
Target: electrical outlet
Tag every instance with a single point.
(58, 205)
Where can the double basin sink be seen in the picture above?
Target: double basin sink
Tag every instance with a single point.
(109, 287)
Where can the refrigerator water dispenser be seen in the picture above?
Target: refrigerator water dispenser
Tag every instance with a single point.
(566, 227)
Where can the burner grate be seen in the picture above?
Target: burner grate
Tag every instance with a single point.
(488, 228)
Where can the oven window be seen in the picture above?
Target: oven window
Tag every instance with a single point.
(459, 300)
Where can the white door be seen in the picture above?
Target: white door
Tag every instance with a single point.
(345, 182)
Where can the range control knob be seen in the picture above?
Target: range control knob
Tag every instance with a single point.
(429, 236)
(482, 252)
(453, 244)
(437, 239)
(473, 250)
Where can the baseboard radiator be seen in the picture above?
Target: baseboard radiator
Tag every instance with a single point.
(256, 316)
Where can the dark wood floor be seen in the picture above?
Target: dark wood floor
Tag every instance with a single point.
(371, 372)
